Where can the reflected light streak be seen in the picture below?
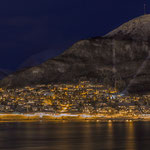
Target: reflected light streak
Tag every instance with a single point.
(130, 142)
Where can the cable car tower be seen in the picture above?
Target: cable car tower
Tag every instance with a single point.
(145, 7)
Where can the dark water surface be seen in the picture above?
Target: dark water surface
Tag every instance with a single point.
(74, 136)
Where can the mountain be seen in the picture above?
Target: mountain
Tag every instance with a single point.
(120, 58)
(38, 58)
(4, 73)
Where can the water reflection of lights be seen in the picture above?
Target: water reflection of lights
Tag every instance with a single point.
(130, 142)
(110, 141)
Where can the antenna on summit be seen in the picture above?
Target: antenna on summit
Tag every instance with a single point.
(145, 7)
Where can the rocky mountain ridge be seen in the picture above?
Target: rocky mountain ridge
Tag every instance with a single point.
(136, 29)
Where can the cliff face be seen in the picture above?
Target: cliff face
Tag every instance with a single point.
(112, 60)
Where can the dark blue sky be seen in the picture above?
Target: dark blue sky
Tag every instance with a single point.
(29, 27)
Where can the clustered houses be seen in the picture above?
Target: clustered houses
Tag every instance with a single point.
(84, 97)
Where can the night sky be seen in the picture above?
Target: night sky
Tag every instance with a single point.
(32, 31)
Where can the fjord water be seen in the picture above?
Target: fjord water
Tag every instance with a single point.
(74, 135)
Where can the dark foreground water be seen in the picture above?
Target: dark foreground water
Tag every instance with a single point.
(75, 136)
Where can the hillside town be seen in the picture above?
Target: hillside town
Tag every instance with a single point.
(84, 97)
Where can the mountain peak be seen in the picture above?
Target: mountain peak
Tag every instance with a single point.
(136, 29)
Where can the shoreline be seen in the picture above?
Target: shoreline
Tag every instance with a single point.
(72, 117)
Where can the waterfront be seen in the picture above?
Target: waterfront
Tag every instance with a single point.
(63, 135)
(72, 117)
